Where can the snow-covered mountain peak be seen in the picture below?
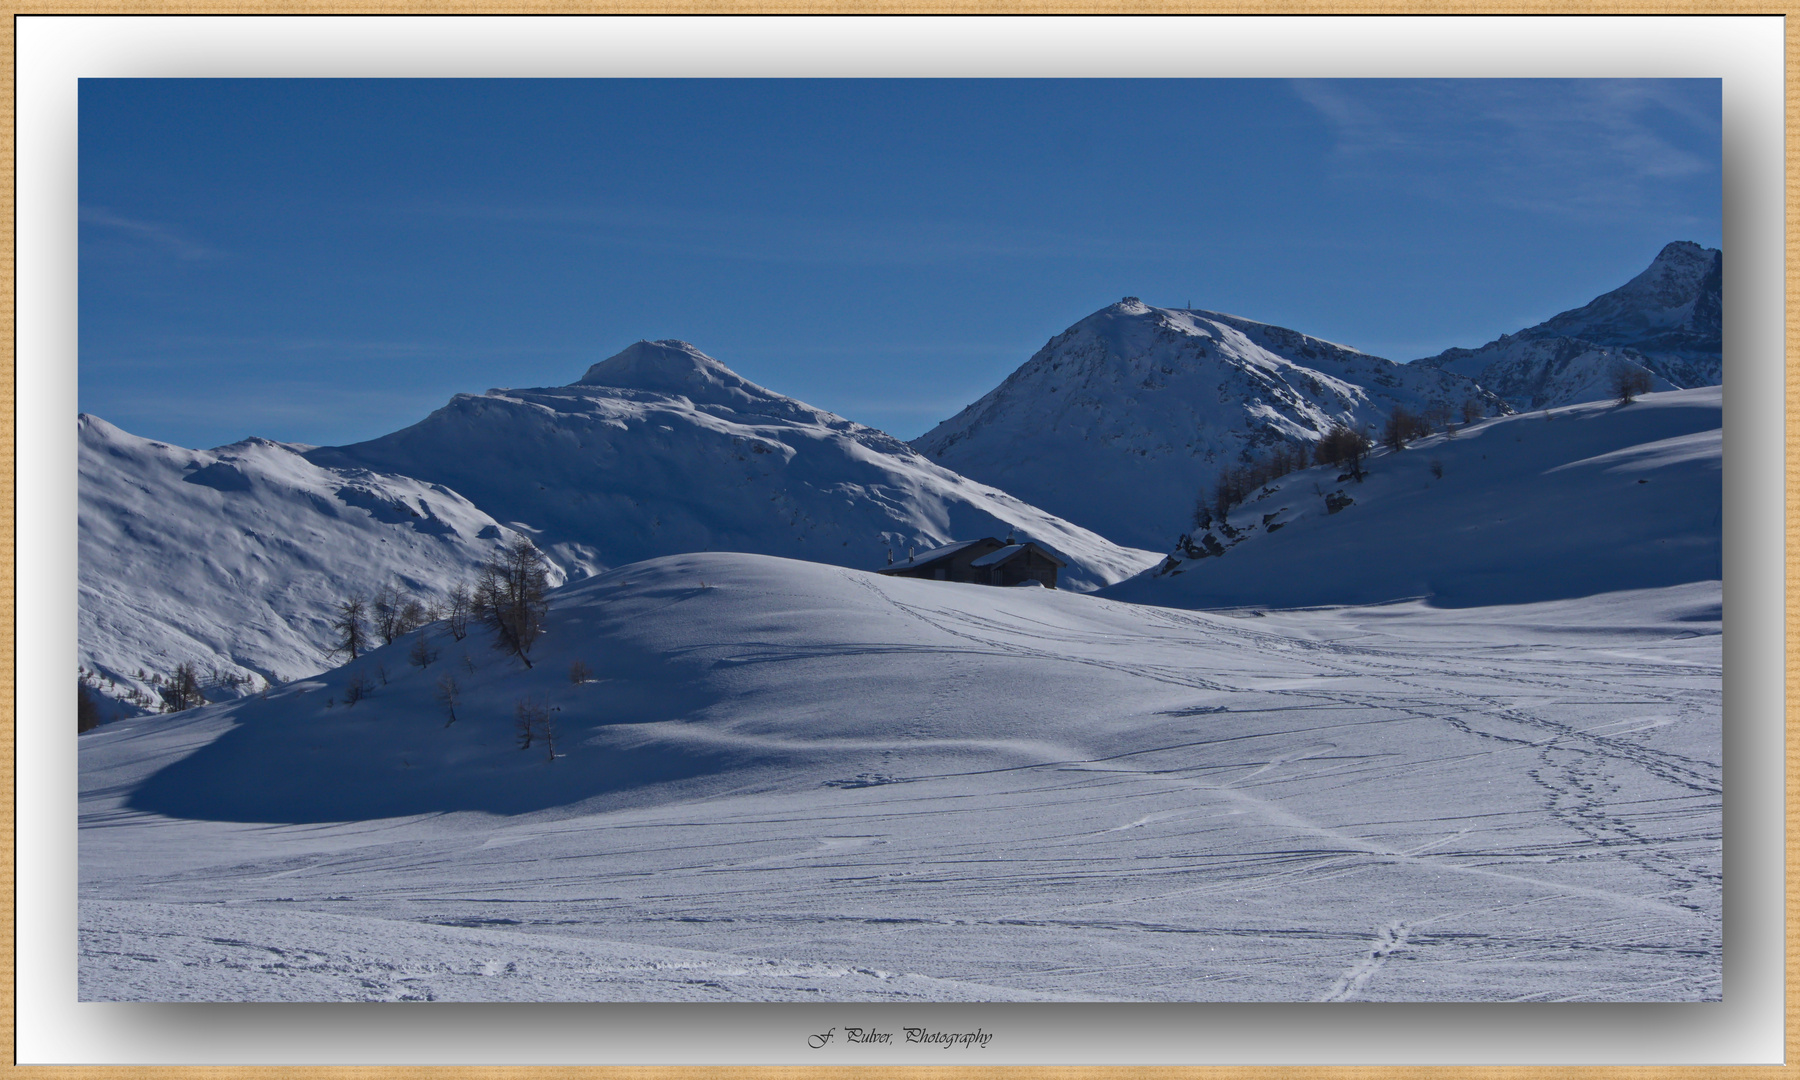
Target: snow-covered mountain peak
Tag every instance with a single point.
(664, 450)
(1119, 422)
(674, 367)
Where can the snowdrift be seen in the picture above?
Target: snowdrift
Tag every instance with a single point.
(1574, 501)
(708, 671)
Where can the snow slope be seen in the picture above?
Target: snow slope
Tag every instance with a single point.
(792, 780)
(233, 558)
(1666, 321)
(662, 449)
(1574, 501)
(1119, 422)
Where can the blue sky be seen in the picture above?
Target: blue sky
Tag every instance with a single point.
(324, 261)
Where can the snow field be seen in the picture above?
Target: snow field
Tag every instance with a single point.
(808, 782)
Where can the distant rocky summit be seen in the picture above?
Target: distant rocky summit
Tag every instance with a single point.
(1665, 321)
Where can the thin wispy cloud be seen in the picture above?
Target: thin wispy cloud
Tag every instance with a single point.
(165, 238)
(1584, 148)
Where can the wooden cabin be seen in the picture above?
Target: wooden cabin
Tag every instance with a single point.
(986, 561)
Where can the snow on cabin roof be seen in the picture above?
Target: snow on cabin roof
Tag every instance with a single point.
(924, 557)
(995, 558)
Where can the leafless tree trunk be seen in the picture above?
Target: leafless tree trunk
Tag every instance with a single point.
(351, 628)
(449, 692)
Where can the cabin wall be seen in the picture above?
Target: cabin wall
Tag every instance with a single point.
(1025, 566)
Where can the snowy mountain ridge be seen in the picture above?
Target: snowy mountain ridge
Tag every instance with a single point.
(662, 449)
(1120, 422)
(234, 557)
(1666, 321)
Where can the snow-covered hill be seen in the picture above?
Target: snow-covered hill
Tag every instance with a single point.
(786, 780)
(1121, 421)
(662, 449)
(233, 558)
(1575, 501)
(1666, 321)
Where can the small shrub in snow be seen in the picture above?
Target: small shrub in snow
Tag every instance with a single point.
(422, 654)
(360, 686)
(548, 730)
(1628, 381)
(448, 693)
(531, 719)
(456, 611)
(1437, 469)
(87, 712)
(1472, 410)
(183, 689)
(1398, 429)
(579, 673)
(1344, 447)
(389, 611)
(1234, 484)
(1202, 517)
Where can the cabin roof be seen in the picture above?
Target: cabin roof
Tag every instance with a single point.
(995, 558)
(992, 558)
(925, 558)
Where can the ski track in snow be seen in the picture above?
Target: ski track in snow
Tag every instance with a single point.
(1522, 808)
